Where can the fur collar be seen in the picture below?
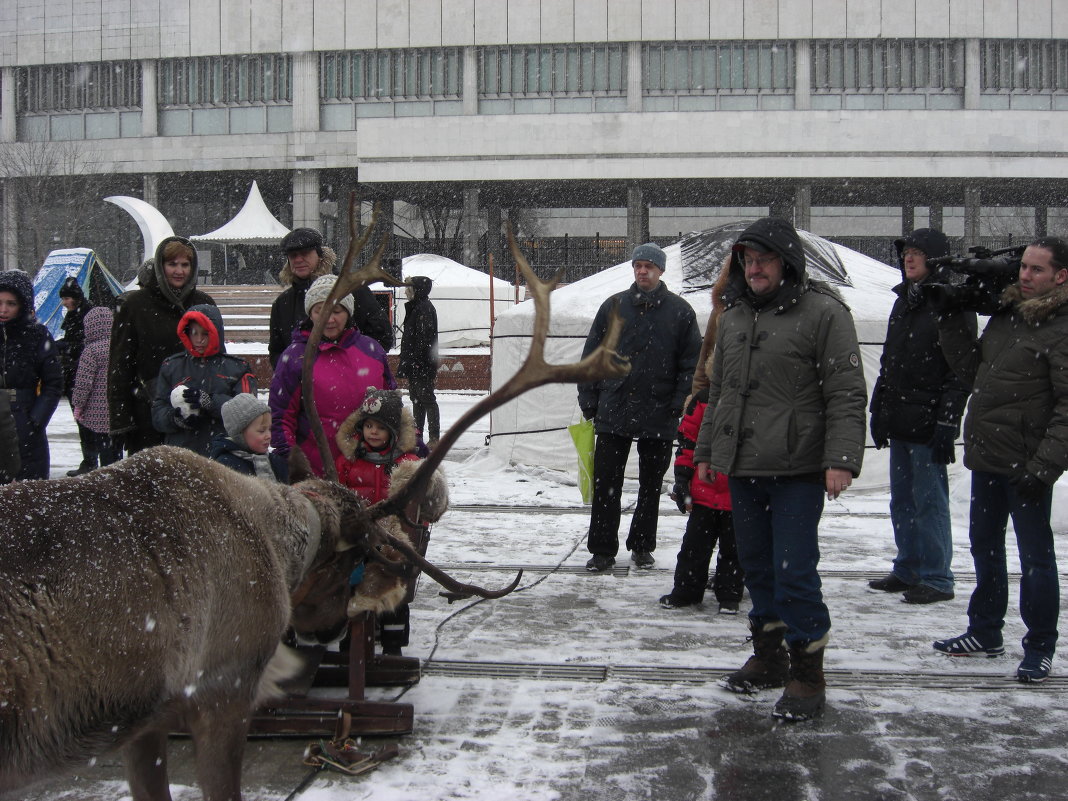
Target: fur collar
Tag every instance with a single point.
(349, 436)
(1036, 311)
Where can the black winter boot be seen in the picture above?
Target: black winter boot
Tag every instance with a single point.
(804, 697)
(769, 664)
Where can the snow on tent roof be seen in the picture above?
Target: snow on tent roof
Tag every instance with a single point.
(461, 297)
(532, 429)
(253, 225)
(99, 285)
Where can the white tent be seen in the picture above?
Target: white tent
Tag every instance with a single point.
(533, 428)
(253, 225)
(461, 297)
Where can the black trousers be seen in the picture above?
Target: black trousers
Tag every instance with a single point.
(609, 462)
(704, 529)
(425, 405)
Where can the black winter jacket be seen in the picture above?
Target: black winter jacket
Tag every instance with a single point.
(661, 338)
(144, 333)
(71, 345)
(287, 311)
(916, 389)
(419, 342)
(10, 461)
(31, 376)
(227, 452)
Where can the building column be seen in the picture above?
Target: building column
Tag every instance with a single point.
(8, 114)
(634, 76)
(1041, 221)
(470, 87)
(306, 199)
(803, 207)
(305, 91)
(149, 100)
(934, 219)
(802, 75)
(470, 227)
(908, 220)
(972, 73)
(972, 207)
(637, 217)
(150, 189)
(494, 242)
(10, 225)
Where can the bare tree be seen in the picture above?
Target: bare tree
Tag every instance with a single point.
(53, 192)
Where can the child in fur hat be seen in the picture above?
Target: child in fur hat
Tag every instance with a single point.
(247, 421)
(374, 440)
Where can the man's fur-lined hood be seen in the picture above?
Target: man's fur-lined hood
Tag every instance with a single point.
(326, 266)
(349, 436)
(1038, 310)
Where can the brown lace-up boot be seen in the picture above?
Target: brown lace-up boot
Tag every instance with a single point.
(769, 664)
(805, 695)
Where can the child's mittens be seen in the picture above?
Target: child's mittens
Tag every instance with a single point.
(198, 399)
(182, 408)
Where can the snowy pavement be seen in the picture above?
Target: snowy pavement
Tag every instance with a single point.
(582, 687)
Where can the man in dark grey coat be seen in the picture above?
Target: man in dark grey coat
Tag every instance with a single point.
(785, 422)
(661, 338)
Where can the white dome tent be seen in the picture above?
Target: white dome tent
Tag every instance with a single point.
(533, 428)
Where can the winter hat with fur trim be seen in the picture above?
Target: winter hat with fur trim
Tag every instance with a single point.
(319, 291)
(384, 406)
(238, 414)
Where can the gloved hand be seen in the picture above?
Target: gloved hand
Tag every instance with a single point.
(589, 412)
(197, 398)
(182, 421)
(943, 451)
(680, 492)
(1030, 487)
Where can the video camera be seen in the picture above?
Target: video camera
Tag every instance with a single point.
(975, 283)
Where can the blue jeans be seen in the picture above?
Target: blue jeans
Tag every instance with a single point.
(776, 526)
(919, 509)
(994, 500)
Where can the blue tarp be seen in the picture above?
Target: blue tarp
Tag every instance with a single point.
(99, 286)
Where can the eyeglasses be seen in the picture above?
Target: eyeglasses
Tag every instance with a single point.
(759, 261)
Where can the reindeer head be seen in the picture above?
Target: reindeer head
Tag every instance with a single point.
(359, 533)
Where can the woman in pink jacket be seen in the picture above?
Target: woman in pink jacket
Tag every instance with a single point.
(348, 363)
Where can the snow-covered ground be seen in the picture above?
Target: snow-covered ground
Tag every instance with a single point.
(582, 687)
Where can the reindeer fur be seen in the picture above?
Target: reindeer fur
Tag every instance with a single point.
(150, 594)
(381, 591)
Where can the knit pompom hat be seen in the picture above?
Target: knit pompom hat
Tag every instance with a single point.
(238, 414)
(320, 290)
(384, 406)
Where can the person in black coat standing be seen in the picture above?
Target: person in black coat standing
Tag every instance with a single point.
(70, 351)
(145, 332)
(30, 373)
(307, 258)
(916, 409)
(661, 338)
(419, 355)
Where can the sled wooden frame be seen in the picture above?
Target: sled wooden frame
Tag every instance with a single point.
(301, 713)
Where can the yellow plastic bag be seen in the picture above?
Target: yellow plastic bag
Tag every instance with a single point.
(582, 435)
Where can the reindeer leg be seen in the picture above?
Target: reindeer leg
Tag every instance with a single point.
(146, 766)
(220, 729)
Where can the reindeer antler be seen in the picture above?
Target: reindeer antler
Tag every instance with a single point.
(604, 362)
(349, 281)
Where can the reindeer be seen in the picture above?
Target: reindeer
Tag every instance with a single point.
(154, 593)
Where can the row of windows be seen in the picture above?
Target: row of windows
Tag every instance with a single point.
(695, 68)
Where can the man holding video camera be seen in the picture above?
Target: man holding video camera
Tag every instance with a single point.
(1016, 445)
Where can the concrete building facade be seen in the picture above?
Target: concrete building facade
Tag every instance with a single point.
(625, 118)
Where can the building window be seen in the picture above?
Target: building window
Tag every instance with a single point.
(545, 70)
(1024, 65)
(391, 74)
(71, 87)
(225, 81)
(717, 67)
(880, 65)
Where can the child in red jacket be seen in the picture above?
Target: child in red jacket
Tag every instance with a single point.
(373, 440)
(709, 505)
